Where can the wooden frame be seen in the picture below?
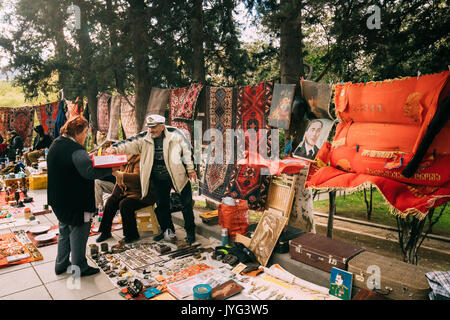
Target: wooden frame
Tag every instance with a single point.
(281, 194)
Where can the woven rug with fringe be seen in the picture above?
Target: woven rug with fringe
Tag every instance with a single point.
(253, 109)
(47, 116)
(21, 119)
(383, 124)
(221, 104)
(103, 107)
(128, 118)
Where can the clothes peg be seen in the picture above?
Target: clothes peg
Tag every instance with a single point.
(418, 75)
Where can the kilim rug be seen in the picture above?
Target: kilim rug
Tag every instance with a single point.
(176, 99)
(21, 119)
(113, 129)
(103, 112)
(157, 103)
(4, 121)
(47, 116)
(185, 102)
(221, 106)
(128, 117)
(253, 108)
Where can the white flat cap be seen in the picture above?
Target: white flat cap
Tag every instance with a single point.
(154, 119)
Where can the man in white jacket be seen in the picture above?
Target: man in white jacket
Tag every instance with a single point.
(166, 160)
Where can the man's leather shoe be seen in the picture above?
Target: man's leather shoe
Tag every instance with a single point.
(131, 239)
(59, 272)
(190, 238)
(103, 236)
(159, 237)
(90, 271)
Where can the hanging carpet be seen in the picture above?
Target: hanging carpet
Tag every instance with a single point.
(382, 125)
(103, 112)
(157, 103)
(253, 109)
(128, 117)
(47, 116)
(113, 128)
(22, 121)
(221, 106)
(4, 121)
(180, 107)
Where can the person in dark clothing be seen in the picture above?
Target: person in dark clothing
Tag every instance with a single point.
(40, 142)
(70, 193)
(166, 162)
(126, 197)
(15, 145)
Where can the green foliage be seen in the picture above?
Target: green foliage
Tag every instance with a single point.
(353, 206)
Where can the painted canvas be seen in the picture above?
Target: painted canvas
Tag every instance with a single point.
(281, 107)
(316, 134)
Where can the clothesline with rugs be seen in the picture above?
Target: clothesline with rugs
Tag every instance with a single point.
(380, 127)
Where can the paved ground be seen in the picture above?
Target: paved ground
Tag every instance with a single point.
(37, 280)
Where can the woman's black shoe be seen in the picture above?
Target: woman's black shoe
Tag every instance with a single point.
(90, 271)
(103, 236)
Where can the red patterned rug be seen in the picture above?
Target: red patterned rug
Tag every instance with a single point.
(4, 121)
(177, 101)
(253, 109)
(184, 101)
(103, 112)
(47, 116)
(21, 119)
(221, 115)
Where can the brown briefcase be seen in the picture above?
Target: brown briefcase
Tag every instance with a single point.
(397, 280)
(322, 252)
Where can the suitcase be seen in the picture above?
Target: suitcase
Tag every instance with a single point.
(398, 280)
(322, 252)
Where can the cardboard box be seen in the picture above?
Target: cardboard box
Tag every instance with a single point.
(109, 160)
(38, 182)
(146, 220)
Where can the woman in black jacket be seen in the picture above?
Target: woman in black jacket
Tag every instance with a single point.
(70, 192)
(15, 145)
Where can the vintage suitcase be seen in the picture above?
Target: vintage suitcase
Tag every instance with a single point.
(398, 280)
(322, 252)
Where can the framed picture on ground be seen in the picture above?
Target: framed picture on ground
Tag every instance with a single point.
(341, 284)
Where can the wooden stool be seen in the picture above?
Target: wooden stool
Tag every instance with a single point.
(146, 220)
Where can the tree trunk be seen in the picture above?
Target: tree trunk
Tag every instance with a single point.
(369, 203)
(60, 42)
(140, 53)
(197, 39)
(411, 236)
(332, 211)
(291, 68)
(291, 57)
(116, 58)
(87, 67)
